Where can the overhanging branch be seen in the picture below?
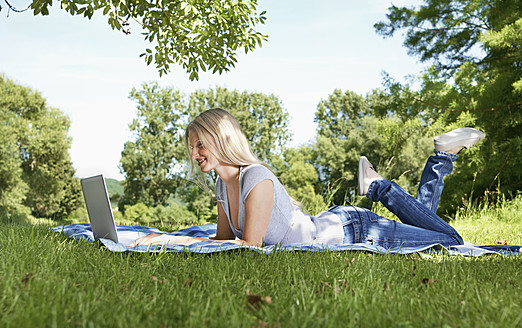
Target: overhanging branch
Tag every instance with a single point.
(13, 8)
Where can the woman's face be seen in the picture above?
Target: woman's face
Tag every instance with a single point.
(206, 161)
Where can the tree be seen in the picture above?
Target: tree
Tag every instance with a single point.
(148, 162)
(12, 187)
(466, 86)
(37, 171)
(337, 117)
(198, 35)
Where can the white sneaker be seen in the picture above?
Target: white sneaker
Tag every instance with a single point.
(454, 141)
(364, 179)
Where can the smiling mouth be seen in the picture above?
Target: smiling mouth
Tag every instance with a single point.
(200, 161)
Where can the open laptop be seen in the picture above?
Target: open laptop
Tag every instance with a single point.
(99, 208)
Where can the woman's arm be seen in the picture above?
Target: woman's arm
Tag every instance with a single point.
(258, 211)
(223, 232)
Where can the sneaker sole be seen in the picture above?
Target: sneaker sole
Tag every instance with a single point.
(361, 175)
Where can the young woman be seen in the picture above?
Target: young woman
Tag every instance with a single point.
(254, 208)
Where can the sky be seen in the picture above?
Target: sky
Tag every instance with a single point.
(87, 70)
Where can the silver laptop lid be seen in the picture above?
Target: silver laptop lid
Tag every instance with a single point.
(99, 208)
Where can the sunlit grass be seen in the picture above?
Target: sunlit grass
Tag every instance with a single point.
(486, 224)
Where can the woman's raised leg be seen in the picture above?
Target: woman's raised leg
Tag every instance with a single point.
(447, 146)
(432, 178)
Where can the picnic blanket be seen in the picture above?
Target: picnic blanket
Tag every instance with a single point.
(127, 234)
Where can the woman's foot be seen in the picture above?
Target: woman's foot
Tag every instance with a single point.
(366, 175)
(454, 141)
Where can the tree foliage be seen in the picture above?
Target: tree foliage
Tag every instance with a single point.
(451, 32)
(148, 162)
(197, 35)
(296, 171)
(36, 168)
(12, 187)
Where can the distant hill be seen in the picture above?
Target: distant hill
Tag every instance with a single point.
(114, 187)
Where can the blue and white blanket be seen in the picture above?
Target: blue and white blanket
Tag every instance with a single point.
(127, 234)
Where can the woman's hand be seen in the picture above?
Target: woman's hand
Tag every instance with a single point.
(164, 239)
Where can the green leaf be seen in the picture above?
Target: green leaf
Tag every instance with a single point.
(180, 30)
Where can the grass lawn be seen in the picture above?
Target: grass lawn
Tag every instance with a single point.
(49, 280)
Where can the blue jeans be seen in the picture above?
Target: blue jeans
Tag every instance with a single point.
(420, 225)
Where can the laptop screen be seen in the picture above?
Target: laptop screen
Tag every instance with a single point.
(99, 208)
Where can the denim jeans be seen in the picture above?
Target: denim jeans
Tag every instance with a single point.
(420, 225)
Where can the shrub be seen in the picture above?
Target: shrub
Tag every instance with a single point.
(139, 213)
(174, 214)
(20, 215)
(79, 215)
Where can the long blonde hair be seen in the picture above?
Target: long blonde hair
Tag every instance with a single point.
(220, 133)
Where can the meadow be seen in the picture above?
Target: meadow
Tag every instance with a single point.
(48, 280)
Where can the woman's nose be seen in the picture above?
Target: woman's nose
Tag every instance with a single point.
(194, 152)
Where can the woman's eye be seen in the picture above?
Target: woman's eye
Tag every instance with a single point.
(199, 145)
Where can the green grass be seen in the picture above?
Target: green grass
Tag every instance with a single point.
(51, 281)
(491, 225)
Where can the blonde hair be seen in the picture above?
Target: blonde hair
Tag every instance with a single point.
(220, 133)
